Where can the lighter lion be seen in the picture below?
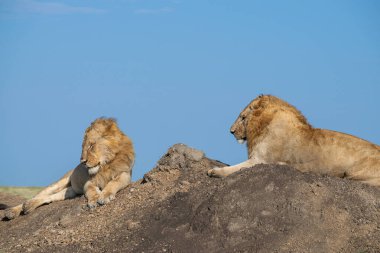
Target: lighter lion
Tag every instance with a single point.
(106, 167)
(277, 133)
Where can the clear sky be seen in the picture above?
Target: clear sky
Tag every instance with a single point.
(176, 71)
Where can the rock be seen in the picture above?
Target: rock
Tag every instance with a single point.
(3, 206)
(189, 153)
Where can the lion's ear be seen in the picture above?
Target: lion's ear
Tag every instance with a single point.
(112, 121)
(258, 102)
(112, 126)
(108, 122)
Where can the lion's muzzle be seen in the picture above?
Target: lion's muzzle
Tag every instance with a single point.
(93, 170)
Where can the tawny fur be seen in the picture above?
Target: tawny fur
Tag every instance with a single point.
(277, 133)
(104, 145)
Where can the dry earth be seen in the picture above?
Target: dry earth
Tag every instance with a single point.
(176, 207)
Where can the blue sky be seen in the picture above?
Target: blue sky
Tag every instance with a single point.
(176, 71)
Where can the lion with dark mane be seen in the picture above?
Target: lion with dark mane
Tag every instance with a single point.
(106, 168)
(278, 133)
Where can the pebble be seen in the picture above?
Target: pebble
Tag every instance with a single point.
(185, 183)
(132, 224)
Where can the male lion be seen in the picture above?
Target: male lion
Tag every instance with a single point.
(105, 168)
(278, 133)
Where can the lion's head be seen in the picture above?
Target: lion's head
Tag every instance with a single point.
(258, 114)
(239, 128)
(100, 144)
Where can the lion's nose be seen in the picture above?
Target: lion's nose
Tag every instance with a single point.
(83, 161)
(232, 131)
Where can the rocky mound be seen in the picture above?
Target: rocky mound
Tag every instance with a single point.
(176, 207)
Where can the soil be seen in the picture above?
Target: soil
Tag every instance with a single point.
(176, 207)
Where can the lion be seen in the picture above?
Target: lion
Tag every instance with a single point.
(277, 133)
(105, 168)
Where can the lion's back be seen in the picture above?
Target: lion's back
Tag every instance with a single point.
(337, 154)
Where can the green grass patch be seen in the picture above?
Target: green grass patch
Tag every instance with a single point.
(25, 192)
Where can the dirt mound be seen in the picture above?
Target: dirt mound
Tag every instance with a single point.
(176, 207)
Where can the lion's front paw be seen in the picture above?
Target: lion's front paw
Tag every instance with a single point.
(91, 205)
(11, 213)
(92, 202)
(216, 172)
(105, 198)
(92, 197)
